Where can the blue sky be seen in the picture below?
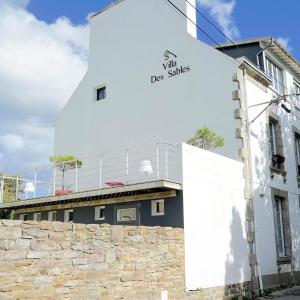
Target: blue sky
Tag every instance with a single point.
(45, 52)
(252, 18)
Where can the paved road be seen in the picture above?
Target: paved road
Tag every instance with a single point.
(288, 298)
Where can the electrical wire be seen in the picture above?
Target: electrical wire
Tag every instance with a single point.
(179, 11)
(211, 23)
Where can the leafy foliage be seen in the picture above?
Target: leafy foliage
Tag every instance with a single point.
(65, 163)
(12, 185)
(206, 139)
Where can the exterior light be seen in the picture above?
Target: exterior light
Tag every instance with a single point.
(146, 167)
(29, 187)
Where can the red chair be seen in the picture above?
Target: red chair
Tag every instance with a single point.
(114, 183)
(63, 192)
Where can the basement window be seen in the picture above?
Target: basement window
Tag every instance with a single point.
(37, 217)
(23, 217)
(158, 207)
(101, 93)
(68, 216)
(52, 216)
(100, 213)
(126, 214)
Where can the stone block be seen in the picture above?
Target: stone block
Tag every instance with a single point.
(23, 244)
(117, 234)
(56, 236)
(43, 280)
(10, 233)
(79, 261)
(11, 223)
(45, 245)
(38, 255)
(13, 255)
(6, 244)
(36, 233)
(110, 256)
(133, 276)
(62, 227)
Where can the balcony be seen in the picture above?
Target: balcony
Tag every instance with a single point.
(101, 174)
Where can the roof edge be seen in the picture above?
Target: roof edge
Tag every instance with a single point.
(106, 8)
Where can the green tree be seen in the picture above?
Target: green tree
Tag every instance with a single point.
(11, 186)
(65, 163)
(206, 139)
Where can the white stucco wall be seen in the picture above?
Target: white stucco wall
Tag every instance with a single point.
(126, 49)
(216, 249)
(262, 181)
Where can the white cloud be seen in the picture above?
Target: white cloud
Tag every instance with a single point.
(285, 42)
(40, 66)
(222, 11)
(12, 142)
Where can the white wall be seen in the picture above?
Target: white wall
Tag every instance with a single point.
(126, 49)
(262, 181)
(216, 249)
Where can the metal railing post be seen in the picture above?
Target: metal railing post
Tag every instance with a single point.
(100, 172)
(1, 191)
(34, 192)
(157, 159)
(17, 187)
(127, 162)
(76, 177)
(54, 179)
(166, 162)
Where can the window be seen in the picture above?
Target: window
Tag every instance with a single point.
(23, 217)
(158, 207)
(296, 90)
(126, 214)
(276, 75)
(297, 152)
(101, 93)
(68, 216)
(279, 231)
(100, 213)
(37, 217)
(275, 141)
(52, 216)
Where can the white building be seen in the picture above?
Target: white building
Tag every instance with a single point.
(149, 78)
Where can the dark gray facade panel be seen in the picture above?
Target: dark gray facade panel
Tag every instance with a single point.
(250, 51)
(173, 216)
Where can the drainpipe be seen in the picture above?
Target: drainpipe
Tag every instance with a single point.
(263, 50)
(255, 269)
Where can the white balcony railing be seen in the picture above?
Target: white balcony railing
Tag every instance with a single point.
(160, 161)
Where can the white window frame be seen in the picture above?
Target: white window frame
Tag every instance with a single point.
(296, 90)
(102, 86)
(297, 148)
(160, 207)
(274, 75)
(22, 217)
(126, 221)
(67, 215)
(272, 126)
(97, 213)
(37, 217)
(279, 231)
(50, 216)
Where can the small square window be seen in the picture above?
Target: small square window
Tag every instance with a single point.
(126, 215)
(37, 217)
(52, 216)
(101, 93)
(100, 213)
(158, 207)
(23, 217)
(69, 215)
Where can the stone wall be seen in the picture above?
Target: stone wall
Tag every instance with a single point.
(43, 260)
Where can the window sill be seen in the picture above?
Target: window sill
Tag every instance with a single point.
(278, 171)
(284, 260)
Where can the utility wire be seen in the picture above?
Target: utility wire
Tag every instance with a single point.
(212, 23)
(185, 16)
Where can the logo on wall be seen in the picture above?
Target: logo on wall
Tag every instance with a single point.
(170, 67)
